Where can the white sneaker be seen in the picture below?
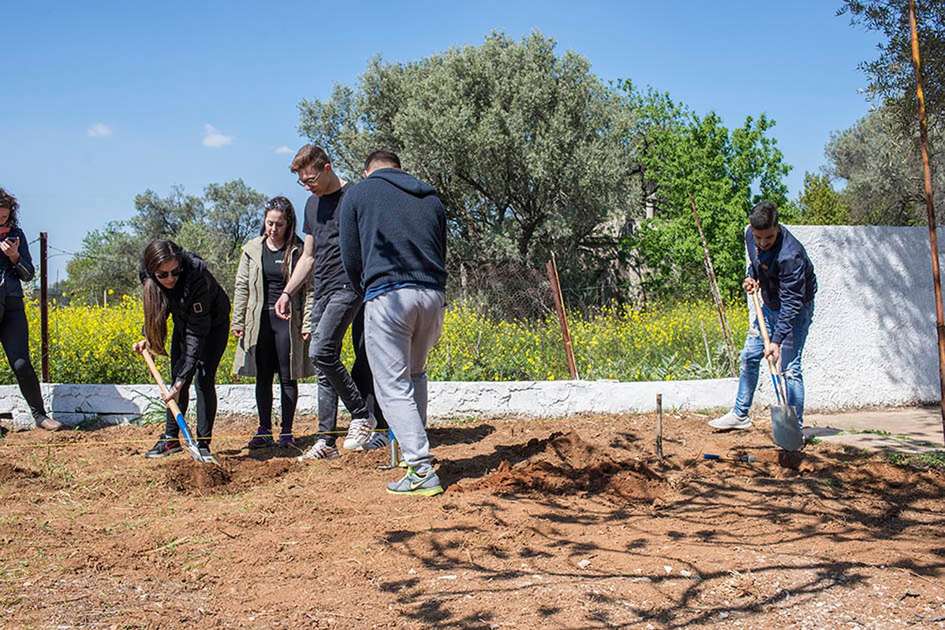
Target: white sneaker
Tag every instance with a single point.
(730, 421)
(359, 433)
(320, 450)
(380, 439)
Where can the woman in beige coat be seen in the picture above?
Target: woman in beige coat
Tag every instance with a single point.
(269, 344)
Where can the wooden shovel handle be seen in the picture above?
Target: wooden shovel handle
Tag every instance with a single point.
(156, 375)
(763, 327)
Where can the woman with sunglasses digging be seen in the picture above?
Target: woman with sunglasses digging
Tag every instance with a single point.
(269, 344)
(178, 283)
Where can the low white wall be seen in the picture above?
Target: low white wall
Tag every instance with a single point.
(119, 403)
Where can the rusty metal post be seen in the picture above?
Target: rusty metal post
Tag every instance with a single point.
(929, 205)
(659, 426)
(44, 304)
(552, 270)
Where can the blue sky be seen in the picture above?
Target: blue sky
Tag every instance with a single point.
(101, 101)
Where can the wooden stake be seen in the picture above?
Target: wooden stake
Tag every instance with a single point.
(552, 270)
(929, 205)
(716, 295)
(659, 426)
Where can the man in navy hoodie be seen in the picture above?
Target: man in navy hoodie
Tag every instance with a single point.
(393, 246)
(780, 268)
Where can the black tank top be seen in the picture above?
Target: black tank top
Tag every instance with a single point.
(273, 278)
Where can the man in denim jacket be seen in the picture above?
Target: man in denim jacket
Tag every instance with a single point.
(779, 266)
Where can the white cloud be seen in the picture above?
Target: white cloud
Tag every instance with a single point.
(214, 138)
(283, 150)
(99, 130)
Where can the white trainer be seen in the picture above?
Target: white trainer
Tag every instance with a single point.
(320, 450)
(730, 421)
(359, 433)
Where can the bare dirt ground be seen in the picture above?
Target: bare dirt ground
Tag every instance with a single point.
(566, 523)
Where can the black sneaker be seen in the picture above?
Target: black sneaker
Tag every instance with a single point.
(165, 446)
(205, 453)
(261, 440)
(287, 441)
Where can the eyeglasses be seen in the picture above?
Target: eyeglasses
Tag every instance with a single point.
(309, 181)
(161, 275)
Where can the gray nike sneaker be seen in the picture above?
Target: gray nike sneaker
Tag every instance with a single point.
(425, 484)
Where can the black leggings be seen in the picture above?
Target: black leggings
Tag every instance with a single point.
(272, 356)
(206, 382)
(14, 336)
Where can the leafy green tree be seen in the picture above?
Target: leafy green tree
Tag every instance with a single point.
(820, 204)
(107, 261)
(530, 152)
(891, 74)
(684, 156)
(215, 226)
(161, 217)
(881, 168)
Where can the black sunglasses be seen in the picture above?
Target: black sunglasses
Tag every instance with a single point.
(160, 275)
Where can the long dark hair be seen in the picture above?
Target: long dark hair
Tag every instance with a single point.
(283, 205)
(7, 200)
(157, 253)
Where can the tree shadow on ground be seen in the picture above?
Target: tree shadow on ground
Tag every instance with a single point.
(785, 536)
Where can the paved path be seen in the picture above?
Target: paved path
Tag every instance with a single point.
(906, 430)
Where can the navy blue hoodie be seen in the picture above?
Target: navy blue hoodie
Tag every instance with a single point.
(786, 276)
(393, 233)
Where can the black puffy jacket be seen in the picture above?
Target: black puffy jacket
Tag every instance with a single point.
(197, 303)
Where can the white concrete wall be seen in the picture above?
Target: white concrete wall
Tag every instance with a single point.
(873, 342)
(120, 403)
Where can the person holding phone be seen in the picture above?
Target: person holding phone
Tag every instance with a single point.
(16, 267)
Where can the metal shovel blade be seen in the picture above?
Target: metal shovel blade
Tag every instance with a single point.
(785, 429)
(197, 457)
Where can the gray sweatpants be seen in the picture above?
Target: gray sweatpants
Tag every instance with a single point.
(400, 329)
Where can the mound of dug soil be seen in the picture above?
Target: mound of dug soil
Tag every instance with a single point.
(10, 472)
(565, 464)
(234, 475)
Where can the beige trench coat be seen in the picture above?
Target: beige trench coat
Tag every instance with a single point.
(249, 300)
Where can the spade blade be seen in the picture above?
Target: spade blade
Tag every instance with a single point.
(785, 428)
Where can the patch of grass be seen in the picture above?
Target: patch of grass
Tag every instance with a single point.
(153, 414)
(814, 441)
(931, 460)
(876, 432)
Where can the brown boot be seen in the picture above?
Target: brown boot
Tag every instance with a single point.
(47, 423)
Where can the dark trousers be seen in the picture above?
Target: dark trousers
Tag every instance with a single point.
(361, 369)
(331, 316)
(273, 348)
(14, 336)
(205, 380)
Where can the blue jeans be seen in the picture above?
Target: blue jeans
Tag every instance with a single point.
(791, 348)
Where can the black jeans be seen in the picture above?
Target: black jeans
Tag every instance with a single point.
(206, 382)
(272, 355)
(361, 369)
(331, 316)
(14, 336)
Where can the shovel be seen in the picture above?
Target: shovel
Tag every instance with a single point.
(171, 404)
(785, 427)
